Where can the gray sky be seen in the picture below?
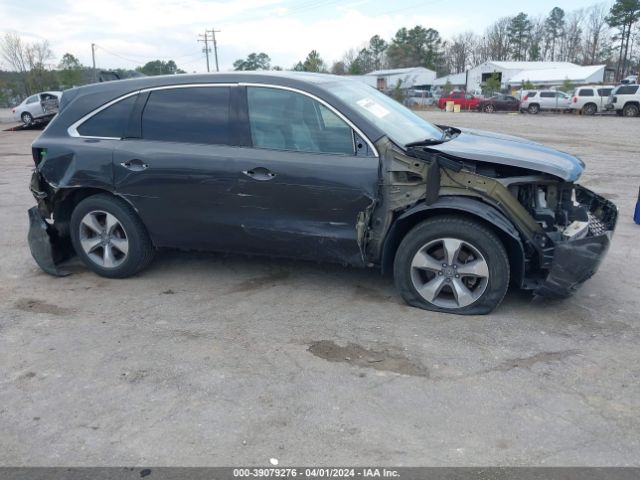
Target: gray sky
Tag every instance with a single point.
(129, 33)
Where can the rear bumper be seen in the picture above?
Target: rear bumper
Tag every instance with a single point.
(47, 248)
(575, 261)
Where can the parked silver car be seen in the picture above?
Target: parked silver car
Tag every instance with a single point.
(40, 107)
(536, 100)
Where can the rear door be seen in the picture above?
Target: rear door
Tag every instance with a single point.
(177, 164)
(511, 104)
(603, 96)
(548, 100)
(310, 181)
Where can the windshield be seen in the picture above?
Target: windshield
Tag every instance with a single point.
(399, 123)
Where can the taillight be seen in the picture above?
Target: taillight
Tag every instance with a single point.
(13, 110)
(575, 99)
(526, 97)
(39, 154)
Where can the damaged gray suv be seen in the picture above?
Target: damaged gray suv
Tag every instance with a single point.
(313, 167)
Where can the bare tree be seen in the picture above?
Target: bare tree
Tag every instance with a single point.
(459, 52)
(572, 36)
(497, 39)
(596, 47)
(15, 53)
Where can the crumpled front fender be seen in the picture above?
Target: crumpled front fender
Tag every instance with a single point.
(47, 248)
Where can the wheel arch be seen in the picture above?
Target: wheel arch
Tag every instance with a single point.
(460, 207)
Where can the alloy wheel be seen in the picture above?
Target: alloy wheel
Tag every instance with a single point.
(103, 239)
(449, 273)
(489, 109)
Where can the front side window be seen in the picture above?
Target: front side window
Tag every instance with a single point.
(285, 120)
(32, 99)
(110, 122)
(188, 115)
(547, 94)
(604, 92)
(586, 92)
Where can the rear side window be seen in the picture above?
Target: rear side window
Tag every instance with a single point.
(604, 92)
(110, 122)
(627, 90)
(531, 94)
(586, 92)
(548, 94)
(188, 115)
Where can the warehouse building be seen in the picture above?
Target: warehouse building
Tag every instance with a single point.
(415, 77)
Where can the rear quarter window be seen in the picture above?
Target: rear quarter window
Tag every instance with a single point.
(627, 90)
(586, 92)
(110, 122)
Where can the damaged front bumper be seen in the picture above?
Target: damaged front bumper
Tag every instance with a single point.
(576, 260)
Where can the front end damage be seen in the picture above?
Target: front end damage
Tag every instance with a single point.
(556, 231)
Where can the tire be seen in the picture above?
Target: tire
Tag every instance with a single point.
(631, 110)
(589, 109)
(102, 223)
(489, 109)
(26, 118)
(418, 264)
(534, 109)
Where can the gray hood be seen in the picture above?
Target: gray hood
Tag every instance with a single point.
(502, 149)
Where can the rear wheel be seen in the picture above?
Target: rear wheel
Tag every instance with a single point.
(589, 109)
(489, 108)
(452, 265)
(534, 108)
(631, 110)
(109, 237)
(26, 118)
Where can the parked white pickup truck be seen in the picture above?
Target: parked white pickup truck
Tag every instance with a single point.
(40, 107)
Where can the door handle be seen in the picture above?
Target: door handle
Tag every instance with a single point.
(135, 165)
(260, 174)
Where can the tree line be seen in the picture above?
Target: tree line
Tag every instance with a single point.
(595, 35)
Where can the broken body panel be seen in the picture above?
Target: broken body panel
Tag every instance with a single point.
(354, 211)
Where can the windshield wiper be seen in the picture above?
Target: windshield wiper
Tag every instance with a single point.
(447, 134)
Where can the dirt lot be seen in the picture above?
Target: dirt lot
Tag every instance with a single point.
(222, 360)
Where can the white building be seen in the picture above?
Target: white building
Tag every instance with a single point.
(557, 76)
(414, 77)
(456, 80)
(507, 70)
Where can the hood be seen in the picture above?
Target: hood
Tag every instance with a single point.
(502, 149)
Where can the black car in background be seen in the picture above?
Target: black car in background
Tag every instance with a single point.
(499, 103)
(315, 167)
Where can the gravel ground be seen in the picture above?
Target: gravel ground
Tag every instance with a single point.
(215, 360)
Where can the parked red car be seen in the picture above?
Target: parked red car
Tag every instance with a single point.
(465, 100)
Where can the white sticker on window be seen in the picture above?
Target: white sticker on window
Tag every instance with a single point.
(373, 107)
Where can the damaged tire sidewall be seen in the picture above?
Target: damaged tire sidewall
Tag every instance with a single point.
(470, 231)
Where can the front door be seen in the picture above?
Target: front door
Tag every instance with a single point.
(310, 181)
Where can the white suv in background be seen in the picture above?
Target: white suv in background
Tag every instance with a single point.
(536, 100)
(590, 99)
(625, 100)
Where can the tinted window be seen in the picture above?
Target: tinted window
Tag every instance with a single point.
(511, 99)
(284, 120)
(604, 92)
(548, 94)
(627, 90)
(532, 94)
(110, 122)
(189, 115)
(586, 92)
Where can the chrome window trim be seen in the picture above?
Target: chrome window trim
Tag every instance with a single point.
(373, 149)
(72, 131)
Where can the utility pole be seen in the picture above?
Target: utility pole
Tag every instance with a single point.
(213, 32)
(93, 59)
(206, 49)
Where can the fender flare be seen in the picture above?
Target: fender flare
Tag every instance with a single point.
(465, 205)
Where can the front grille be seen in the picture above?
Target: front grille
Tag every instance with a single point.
(596, 227)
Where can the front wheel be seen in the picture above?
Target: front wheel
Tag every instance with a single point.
(109, 237)
(452, 265)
